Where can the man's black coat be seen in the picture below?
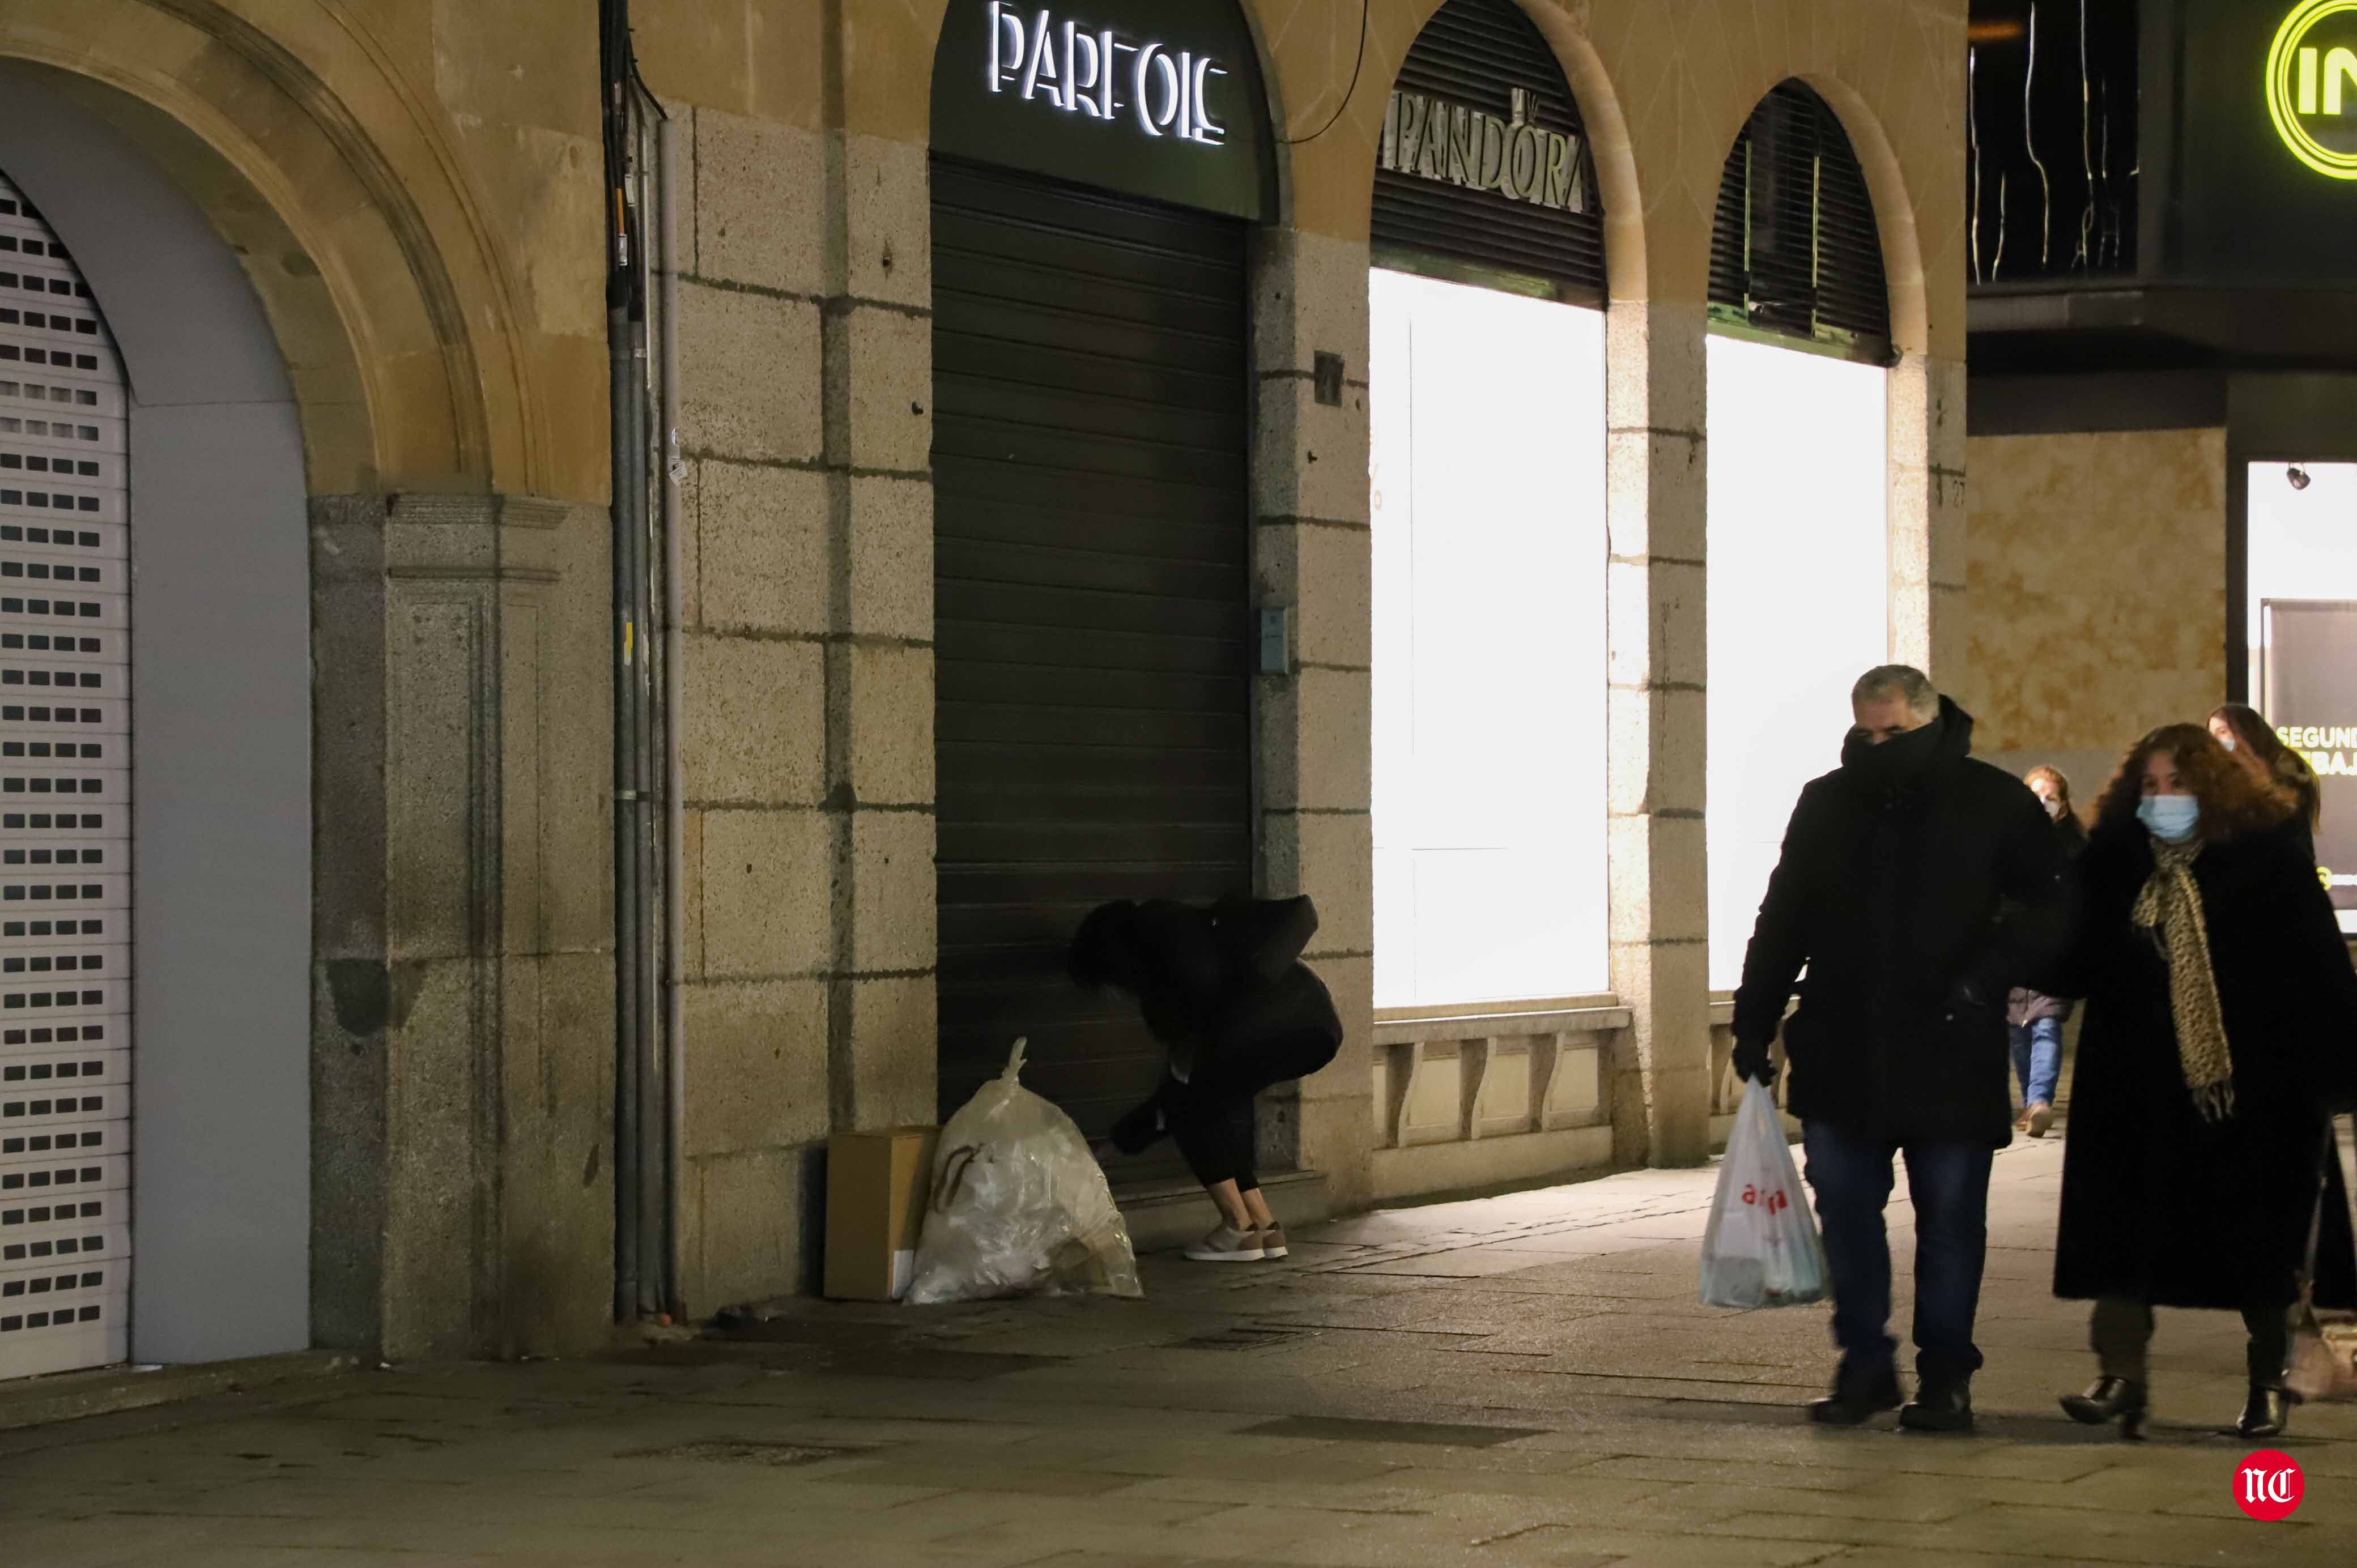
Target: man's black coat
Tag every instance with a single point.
(1917, 887)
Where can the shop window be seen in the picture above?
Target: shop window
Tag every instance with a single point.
(1798, 600)
(2301, 613)
(1486, 414)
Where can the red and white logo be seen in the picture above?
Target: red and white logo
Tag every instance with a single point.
(2268, 1485)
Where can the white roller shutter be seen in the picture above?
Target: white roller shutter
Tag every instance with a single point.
(65, 824)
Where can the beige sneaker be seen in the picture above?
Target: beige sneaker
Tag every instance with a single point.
(2038, 1119)
(1226, 1246)
(1271, 1241)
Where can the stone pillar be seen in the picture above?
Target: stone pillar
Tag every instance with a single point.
(1312, 553)
(752, 725)
(1656, 726)
(1927, 519)
(463, 1033)
(807, 732)
(882, 1030)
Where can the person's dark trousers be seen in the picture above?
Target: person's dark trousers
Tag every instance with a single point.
(1210, 1116)
(2120, 1331)
(1948, 1186)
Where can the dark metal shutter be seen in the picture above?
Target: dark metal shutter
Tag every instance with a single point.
(1476, 52)
(1091, 570)
(1794, 249)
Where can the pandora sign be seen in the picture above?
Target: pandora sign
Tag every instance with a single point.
(1096, 73)
(1458, 144)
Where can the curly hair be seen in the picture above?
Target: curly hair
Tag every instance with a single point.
(2234, 802)
(2267, 751)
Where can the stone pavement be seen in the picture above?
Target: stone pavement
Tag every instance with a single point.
(1517, 1381)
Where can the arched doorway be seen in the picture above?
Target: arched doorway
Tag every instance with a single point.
(1487, 467)
(188, 552)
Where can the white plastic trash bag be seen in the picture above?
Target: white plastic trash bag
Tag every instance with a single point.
(1762, 1248)
(1018, 1205)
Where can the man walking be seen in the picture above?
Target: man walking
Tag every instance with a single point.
(1917, 886)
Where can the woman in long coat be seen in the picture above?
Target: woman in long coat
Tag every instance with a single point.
(2220, 1025)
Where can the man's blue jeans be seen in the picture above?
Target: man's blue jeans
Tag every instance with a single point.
(1949, 1185)
(2038, 1059)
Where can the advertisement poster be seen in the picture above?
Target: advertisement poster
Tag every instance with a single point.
(2309, 686)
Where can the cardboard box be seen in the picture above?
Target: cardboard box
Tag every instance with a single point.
(876, 1184)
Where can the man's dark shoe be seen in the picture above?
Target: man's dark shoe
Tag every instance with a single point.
(1856, 1395)
(1939, 1407)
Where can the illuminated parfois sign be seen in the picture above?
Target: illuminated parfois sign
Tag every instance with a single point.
(2311, 85)
(1470, 148)
(1096, 73)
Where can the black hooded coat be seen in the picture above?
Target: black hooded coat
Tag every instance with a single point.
(1917, 887)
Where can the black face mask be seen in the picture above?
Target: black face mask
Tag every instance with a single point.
(1897, 762)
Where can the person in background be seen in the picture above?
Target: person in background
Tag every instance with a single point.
(1226, 992)
(1917, 887)
(2036, 1020)
(2221, 1028)
(2244, 731)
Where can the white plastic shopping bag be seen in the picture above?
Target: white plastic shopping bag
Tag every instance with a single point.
(1761, 1248)
(1018, 1205)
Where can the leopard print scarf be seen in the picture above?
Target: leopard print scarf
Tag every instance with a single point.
(2170, 909)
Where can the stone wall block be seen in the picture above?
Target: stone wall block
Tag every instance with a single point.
(752, 731)
(889, 901)
(879, 389)
(762, 548)
(755, 221)
(888, 190)
(1332, 714)
(891, 558)
(765, 890)
(892, 1059)
(1655, 631)
(1331, 858)
(1667, 728)
(1332, 592)
(754, 389)
(1310, 459)
(757, 1215)
(884, 697)
(1309, 296)
(758, 1067)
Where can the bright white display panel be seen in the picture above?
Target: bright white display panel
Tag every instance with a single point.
(2302, 547)
(2302, 543)
(1487, 474)
(1798, 594)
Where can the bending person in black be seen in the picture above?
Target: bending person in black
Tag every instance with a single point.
(1226, 992)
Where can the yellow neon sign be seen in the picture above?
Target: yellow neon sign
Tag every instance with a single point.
(2306, 79)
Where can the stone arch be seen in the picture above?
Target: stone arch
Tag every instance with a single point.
(1894, 210)
(322, 169)
(1609, 145)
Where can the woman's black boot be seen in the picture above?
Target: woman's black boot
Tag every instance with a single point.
(2108, 1400)
(2267, 1412)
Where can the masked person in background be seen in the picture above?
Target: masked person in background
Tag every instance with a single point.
(2221, 1029)
(1917, 887)
(1226, 992)
(2035, 1019)
(2270, 763)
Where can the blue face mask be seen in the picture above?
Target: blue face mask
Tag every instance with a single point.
(2170, 818)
